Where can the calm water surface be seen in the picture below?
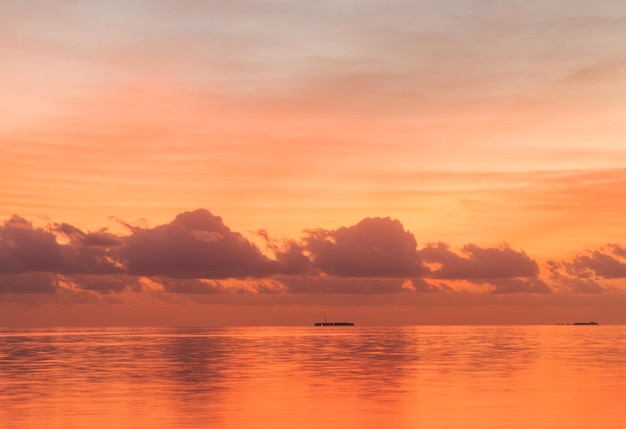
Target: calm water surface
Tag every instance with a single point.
(333, 377)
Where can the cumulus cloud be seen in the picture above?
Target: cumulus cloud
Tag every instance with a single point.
(194, 245)
(198, 254)
(590, 272)
(597, 264)
(27, 249)
(375, 247)
(476, 262)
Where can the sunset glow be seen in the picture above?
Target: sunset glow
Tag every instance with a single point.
(270, 162)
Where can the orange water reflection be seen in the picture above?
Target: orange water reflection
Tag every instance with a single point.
(435, 377)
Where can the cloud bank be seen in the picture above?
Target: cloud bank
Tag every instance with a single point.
(198, 254)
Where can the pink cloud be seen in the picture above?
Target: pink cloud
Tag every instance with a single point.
(197, 254)
(476, 262)
(375, 247)
(618, 250)
(597, 264)
(194, 245)
(590, 272)
(27, 249)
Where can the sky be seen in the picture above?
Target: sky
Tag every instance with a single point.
(273, 162)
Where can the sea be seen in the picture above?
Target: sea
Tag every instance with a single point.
(315, 377)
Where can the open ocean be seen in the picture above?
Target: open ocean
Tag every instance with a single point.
(315, 377)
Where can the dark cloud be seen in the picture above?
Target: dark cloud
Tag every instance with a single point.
(375, 247)
(98, 239)
(92, 260)
(79, 257)
(195, 245)
(292, 260)
(198, 254)
(288, 253)
(618, 250)
(597, 264)
(478, 263)
(584, 272)
(29, 283)
(26, 249)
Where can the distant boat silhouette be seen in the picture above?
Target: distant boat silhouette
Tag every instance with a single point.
(326, 323)
(586, 323)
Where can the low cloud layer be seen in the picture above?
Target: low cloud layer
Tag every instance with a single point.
(519, 285)
(606, 263)
(592, 271)
(197, 253)
(475, 262)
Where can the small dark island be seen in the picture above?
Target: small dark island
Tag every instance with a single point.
(334, 324)
(326, 323)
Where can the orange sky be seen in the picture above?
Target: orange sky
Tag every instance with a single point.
(470, 123)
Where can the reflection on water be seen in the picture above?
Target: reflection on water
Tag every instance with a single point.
(402, 377)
